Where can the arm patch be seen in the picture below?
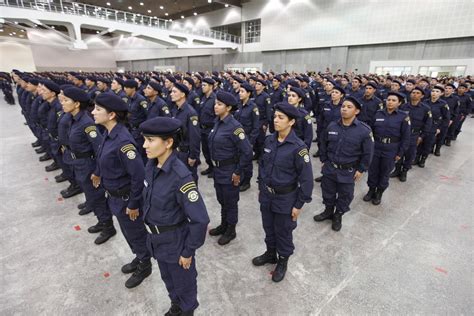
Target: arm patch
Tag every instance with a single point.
(187, 187)
(144, 104)
(127, 147)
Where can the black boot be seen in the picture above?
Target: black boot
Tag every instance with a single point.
(403, 175)
(84, 211)
(280, 269)
(437, 151)
(81, 205)
(244, 187)
(269, 256)
(318, 179)
(207, 171)
(396, 172)
(337, 221)
(60, 178)
(370, 195)
(45, 157)
(142, 272)
(73, 189)
(219, 230)
(52, 167)
(316, 154)
(422, 161)
(228, 235)
(447, 142)
(187, 313)
(97, 228)
(107, 232)
(131, 267)
(378, 196)
(417, 160)
(174, 310)
(327, 214)
(36, 144)
(40, 150)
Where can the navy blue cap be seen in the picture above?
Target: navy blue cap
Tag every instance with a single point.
(331, 81)
(289, 110)
(111, 101)
(353, 101)
(226, 98)
(91, 78)
(411, 81)
(119, 80)
(209, 81)
(247, 87)
(439, 88)
(340, 89)
(181, 87)
(217, 79)
(64, 86)
(293, 83)
(464, 85)
(130, 83)
(358, 79)
(34, 81)
(400, 96)
(263, 82)
(425, 80)
(418, 89)
(52, 86)
(397, 82)
(238, 79)
(198, 76)
(82, 78)
(104, 80)
(447, 85)
(300, 92)
(155, 85)
(190, 80)
(76, 94)
(160, 126)
(254, 78)
(372, 84)
(278, 77)
(215, 73)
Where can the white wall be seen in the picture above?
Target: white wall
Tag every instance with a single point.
(15, 55)
(416, 64)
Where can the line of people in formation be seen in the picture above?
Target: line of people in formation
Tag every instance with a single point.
(132, 143)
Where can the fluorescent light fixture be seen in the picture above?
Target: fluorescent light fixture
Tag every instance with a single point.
(226, 5)
(108, 3)
(209, 1)
(141, 3)
(130, 8)
(182, 16)
(162, 7)
(195, 13)
(149, 11)
(166, 13)
(53, 27)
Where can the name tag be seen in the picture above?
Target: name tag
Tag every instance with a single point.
(333, 133)
(380, 120)
(145, 183)
(326, 109)
(267, 150)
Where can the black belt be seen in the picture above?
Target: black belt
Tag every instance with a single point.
(88, 154)
(156, 230)
(227, 162)
(183, 149)
(53, 137)
(281, 190)
(123, 193)
(206, 126)
(416, 130)
(346, 166)
(387, 140)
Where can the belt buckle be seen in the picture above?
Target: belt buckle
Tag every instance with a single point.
(334, 165)
(73, 155)
(148, 229)
(125, 198)
(216, 163)
(385, 140)
(271, 190)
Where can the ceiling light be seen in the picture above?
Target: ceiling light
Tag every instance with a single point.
(195, 13)
(130, 8)
(166, 13)
(141, 3)
(22, 35)
(16, 22)
(22, 31)
(10, 34)
(209, 1)
(14, 33)
(226, 5)
(108, 3)
(171, 20)
(1, 30)
(149, 11)
(161, 7)
(52, 27)
(182, 16)
(97, 32)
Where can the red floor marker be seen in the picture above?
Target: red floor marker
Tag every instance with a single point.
(106, 275)
(464, 226)
(46, 179)
(77, 227)
(60, 199)
(441, 270)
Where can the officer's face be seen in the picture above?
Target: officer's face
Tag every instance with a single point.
(149, 91)
(235, 85)
(177, 94)
(369, 91)
(344, 82)
(329, 86)
(461, 90)
(68, 104)
(243, 94)
(275, 83)
(336, 95)
(48, 94)
(293, 98)
(156, 147)
(258, 86)
(101, 116)
(448, 90)
(129, 91)
(409, 86)
(168, 84)
(349, 110)
(436, 93)
(394, 86)
(115, 85)
(282, 121)
(355, 83)
(423, 84)
(392, 102)
(206, 88)
(101, 85)
(220, 109)
(416, 95)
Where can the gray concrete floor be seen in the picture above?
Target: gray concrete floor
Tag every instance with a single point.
(411, 255)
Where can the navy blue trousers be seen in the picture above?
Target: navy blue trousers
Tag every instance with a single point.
(228, 197)
(379, 172)
(410, 154)
(205, 148)
(337, 194)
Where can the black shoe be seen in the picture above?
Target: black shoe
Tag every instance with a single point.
(174, 310)
(219, 230)
(244, 187)
(318, 179)
(142, 272)
(52, 167)
(417, 160)
(36, 144)
(40, 150)
(45, 157)
(316, 154)
(60, 178)
(327, 214)
(315, 140)
(378, 196)
(269, 256)
(131, 267)
(396, 172)
(337, 221)
(403, 175)
(71, 191)
(370, 195)
(255, 157)
(447, 142)
(84, 211)
(280, 269)
(455, 137)
(97, 228)
(437, 151)
(81, 205)
(107, 233)
(206, 172)
(422, 161)
(228, 235)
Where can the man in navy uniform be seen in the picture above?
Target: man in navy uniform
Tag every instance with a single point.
(370, 104)
(206, 119)
(454, 108)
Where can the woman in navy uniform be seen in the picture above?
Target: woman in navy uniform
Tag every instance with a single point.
(346, 149)
(230, 150)
(285, 183)
(84, 142)
(391, 128)
(304, 124)
(121, 173)
(174, 213)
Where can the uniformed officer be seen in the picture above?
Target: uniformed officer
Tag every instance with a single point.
(248, 115)
(347, 146)
(84, 142)
(304, 123)
(189, 147)
(421, 121)
(121, 173)
(370, 104)
(102, 85)
(230, 150)
(156, 105)
(174, 212)
(324, 97)
(264, 104)
(117, 86)
(55, 110)
(206, 120)
(137, 112)
(192, 99)
(356, 91)
(392, 131)
(454, 109)
(91, 90)
(285, 184)
(465, 107)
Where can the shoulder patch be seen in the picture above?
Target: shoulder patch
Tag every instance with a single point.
(194, 120)
(125, 99)
(187, 187)
(371, 135)
(304, 153)
(430, 114)
(166, 110)
(144, 104)
(446, 106)
(240, 133)
(91, 131)
(127, 147)
(268, 100)
(196, 99)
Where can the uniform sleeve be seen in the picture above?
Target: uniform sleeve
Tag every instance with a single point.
(305, 177)
(427, 123)
(269, 109)
(446, 114)
(255, 125)
(194, 137)
(323, 146)
(193, 206)
(133, 163)
(367, 152)
(94, 137)
(405, 133)
(245, 150)
(308, 104)
(144, 107)
(165, 110)
(308, 130)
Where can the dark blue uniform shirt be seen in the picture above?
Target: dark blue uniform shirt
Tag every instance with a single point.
(249, 116)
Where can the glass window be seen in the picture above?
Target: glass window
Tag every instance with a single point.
(252, 31)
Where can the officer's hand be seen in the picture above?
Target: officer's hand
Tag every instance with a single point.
(397, 158)
(438, 131)
(295, 212)
(450, 122)
(133, 214)
(264, 128)
(235, 180)
(357, 175)
(185, 262)
(191, 162)
(419, 140)
(95, 180)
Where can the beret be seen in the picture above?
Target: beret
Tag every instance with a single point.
(331, 81)
(340, 89)
(181, 87)
(226, 98)
(247, 87)
(299, 78)
(120, 81)
(305, 79)
(217, 79)
(215, 73)
(139, 78)
(190, 80)
(277, 77)
(288, 109)
(91, 78)
(238, 79)
(447, 85)
(263, 82)
(111, 102)
(293, 83)
(171, 78)
(419, 89)
(412, 81)
(155, 86)
(51, 86)
(104, 80)
(209, 81)
(353, 101)
(464, 85)
(34, 81)
(400, 96)
(201, 73)
(371, 84)
(130, 83)
(425, 80)
(439, 88)
(300, 92)
(358, 79)
(76, 94)
(178, 77)
(82, 78)
(160, 126)
(397, 82)
(198, 77)
(254, 78)
(64, 86)
(156, 78)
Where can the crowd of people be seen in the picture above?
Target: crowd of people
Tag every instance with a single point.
(132, 143)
